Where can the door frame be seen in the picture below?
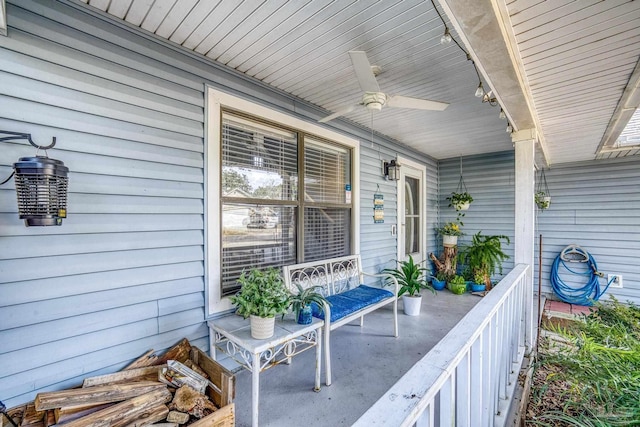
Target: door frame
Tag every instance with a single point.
(422, 170)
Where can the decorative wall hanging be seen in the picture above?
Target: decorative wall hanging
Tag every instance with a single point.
(41, 185)
(378, 207)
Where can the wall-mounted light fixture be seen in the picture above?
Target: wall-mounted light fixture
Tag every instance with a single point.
(41, 185)
(391, 170)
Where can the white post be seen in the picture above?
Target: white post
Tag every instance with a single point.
(524, 142)
(3, 18)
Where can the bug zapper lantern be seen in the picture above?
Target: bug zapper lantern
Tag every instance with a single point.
(41, 188)
(41, 185)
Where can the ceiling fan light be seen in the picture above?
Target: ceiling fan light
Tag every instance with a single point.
(480, 91)
(502, 115)
(446, 37)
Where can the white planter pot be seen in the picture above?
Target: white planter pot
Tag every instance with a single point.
(462, 206)
(262, 327)
(449, 240)
(411, 305)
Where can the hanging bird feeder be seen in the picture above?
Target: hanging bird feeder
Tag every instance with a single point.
(41, 185)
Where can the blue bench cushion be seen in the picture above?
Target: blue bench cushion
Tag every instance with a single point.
(348, 302)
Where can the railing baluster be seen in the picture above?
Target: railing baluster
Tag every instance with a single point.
(476, 396)
(447, 407)
(463, 391)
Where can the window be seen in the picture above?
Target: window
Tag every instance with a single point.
(282, 190)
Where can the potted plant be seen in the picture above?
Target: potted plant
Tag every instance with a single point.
(263, 295)
(412, 278)
(457, 285)
(478, 284)
(439, 281)
(543, 200)
(300, 303)
(450, 233)
(460, 201)
(484, 256)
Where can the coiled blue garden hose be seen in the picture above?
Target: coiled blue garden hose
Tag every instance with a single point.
(585, 295)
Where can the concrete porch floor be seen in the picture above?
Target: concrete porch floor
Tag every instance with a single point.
(366, 363)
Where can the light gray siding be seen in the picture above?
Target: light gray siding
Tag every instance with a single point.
(490, 179)
(595, 205)
(377, 245)
(125, 271)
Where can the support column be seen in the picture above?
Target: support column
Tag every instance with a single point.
(524, 142)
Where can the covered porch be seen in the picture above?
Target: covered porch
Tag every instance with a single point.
(124, 86)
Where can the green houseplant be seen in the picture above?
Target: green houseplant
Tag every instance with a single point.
(412, 278)
(484, 256)
(263, 295)
(457, 285)
(460, 201)
(542, 199)
(300, 302)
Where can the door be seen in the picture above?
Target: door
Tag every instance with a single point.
(411, 211)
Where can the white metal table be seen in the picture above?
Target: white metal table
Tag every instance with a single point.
(232, 335)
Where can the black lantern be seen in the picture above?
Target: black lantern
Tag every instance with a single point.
(41, 186)
(391, 170)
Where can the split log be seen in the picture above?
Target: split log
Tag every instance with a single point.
(32, 417)
(223, 417)
(146, 359)
(186, 399)
(49, 418)
(94, 395)
(149, 373)
(137, 411)
(179, 352)
(70, 414)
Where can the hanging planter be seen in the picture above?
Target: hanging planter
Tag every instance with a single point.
(460, 199)
(542, 196)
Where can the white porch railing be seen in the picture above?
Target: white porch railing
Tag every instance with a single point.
(469, 377)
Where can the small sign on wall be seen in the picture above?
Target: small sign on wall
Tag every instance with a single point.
(378, 208)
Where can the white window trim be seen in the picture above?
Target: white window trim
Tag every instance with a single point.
(215, 102)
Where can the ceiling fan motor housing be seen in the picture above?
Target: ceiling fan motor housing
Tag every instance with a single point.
(374, 100)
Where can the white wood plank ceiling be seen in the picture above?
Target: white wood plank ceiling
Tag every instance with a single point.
(577, 57)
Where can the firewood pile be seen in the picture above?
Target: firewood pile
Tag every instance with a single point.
(183, 386)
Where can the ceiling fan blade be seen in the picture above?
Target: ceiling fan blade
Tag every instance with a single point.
(362, 68)
(340, 112)
(416, 103)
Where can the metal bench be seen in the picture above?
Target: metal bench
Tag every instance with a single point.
(341, 280)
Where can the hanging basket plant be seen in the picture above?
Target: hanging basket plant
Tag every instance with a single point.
(542, 196)
(460, 199)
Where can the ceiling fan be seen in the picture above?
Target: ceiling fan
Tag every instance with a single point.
(372, 98)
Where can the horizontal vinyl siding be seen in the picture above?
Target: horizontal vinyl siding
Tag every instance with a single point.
(124, 273)
(378, 247)
(595, 205)
(490, 179)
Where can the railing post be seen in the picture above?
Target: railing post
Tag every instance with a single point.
(524, 240)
